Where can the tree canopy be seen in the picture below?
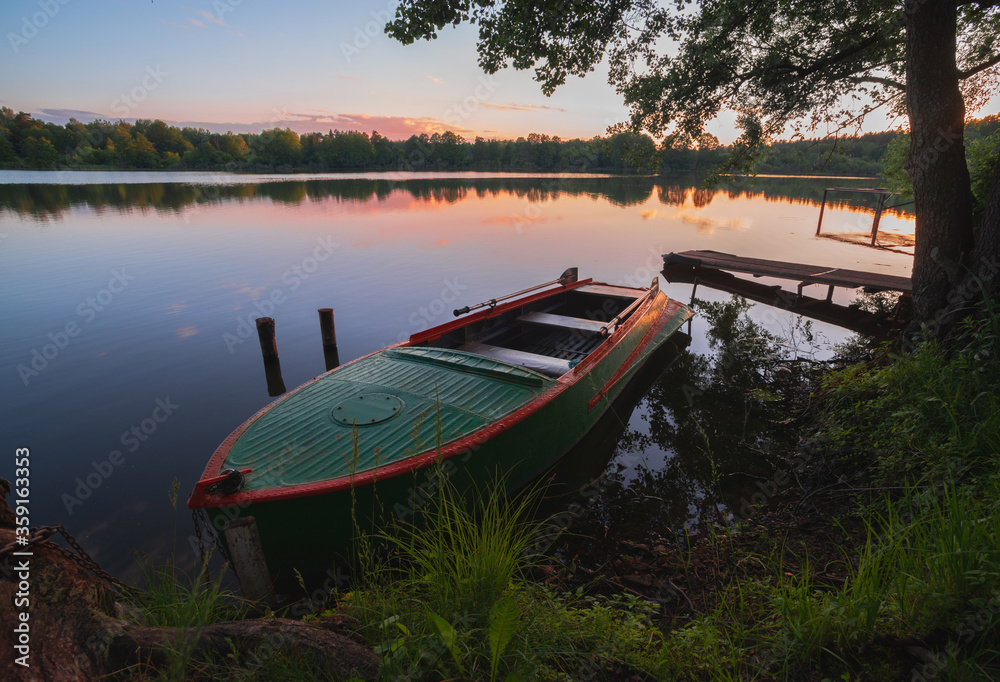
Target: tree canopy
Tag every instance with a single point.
(677, 66)
(777, 63)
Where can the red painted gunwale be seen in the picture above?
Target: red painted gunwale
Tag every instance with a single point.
(199, 499)
(670, 309)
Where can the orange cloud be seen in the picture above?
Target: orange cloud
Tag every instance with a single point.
(510, 106)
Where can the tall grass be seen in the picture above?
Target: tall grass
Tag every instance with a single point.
(175, 598)
(459, 603)
(928, 415)
(468, 559)
(172, 597)
(455, 604)
(936, 555)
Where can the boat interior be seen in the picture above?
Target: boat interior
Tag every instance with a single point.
(550, 335)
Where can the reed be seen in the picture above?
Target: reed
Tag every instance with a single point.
(459, 602)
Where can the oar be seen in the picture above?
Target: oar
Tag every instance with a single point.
(653, 288)
(570, 275)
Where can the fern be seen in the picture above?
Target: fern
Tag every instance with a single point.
(503, 624)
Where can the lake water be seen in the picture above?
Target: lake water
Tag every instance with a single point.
(127, 343)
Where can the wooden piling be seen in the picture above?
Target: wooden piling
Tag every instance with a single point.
(275, 382)
(822, 206)
(332, 358)
(882, 201)
(247, 555)
(328, 330)
(265, 332)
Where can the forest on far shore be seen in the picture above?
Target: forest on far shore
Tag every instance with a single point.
(26, 142)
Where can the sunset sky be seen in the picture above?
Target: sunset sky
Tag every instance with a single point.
(310, 65)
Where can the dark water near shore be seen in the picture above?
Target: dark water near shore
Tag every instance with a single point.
(126, 352)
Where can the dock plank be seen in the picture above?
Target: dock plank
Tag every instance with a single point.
(816, 274)
(849, 317)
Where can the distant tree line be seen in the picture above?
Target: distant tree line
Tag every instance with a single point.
(26, 142)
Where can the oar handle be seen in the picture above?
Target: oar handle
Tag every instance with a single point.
(567, 277)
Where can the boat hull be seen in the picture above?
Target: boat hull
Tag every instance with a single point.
(310, 532)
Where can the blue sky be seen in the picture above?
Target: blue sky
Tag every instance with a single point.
(321, 64)
(305, 64)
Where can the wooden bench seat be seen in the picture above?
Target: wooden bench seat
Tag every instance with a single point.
(609, 290)
(577, 324)
(553, 367)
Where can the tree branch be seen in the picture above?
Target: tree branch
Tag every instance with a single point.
(258, 640)
(882, 81)
(992, 61)
(827, 61)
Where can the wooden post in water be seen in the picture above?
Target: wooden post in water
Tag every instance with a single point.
(265, 332)
(882, 199)
(819, 223)
(329, 331)
(694, 289)
(247, 555)
(269, 349)
(275, 382)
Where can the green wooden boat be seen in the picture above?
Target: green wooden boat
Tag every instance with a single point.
(503, 391)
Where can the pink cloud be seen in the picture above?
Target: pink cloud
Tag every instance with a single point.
(393, 127)
(211, 17)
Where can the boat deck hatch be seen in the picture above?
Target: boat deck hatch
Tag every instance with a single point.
(367, 409)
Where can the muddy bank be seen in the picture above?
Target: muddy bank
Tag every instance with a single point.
(66, 623)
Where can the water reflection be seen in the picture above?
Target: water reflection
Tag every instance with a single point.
(52, 201)
(706, 438)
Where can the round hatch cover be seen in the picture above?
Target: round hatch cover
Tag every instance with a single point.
(367, 409)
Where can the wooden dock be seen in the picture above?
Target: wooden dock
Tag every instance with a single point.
(805, 274)
(715, 269)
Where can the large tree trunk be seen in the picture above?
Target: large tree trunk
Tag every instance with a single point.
(953, 268)
(979, 278)
(936, 162)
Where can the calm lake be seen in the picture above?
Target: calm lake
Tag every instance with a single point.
(128, 350)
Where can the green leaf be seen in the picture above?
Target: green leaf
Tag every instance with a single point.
(503, 624)
(765, 396)
(448, 636)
